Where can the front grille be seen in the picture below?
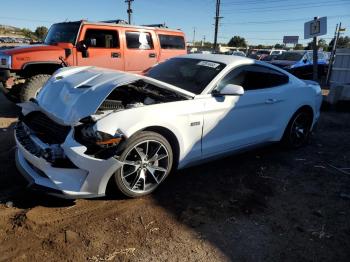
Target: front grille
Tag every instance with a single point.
(25, 141)
(46, 129)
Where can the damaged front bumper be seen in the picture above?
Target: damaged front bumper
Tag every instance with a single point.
(87, 178)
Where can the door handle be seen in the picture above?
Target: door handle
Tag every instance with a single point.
(270, 101)
(152, 55)
(115, 55)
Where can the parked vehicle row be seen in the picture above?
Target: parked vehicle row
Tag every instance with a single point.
(20, 40)
(300, 63)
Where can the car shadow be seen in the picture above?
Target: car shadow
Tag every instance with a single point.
(215, 198)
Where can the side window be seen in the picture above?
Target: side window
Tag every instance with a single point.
(172, 42)
(254, 77)
(96, 38)
(139, 40)
(235, 77)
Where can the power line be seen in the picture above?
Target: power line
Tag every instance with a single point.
(291, 5)
(261, 2)
(25, 19)
(281, 20)
(283, 9)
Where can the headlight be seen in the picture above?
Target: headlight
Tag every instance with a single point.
(99, 138)
(5, 61)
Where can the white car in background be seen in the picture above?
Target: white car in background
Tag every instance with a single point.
(90, 126)
(277, 51)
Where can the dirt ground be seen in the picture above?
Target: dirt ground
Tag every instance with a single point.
(269, 204)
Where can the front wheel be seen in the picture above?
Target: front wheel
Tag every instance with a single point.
(147, 160)
(298, 130)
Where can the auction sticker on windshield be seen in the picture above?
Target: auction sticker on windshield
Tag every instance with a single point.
(208, 64)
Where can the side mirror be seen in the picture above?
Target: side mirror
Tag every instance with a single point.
(229, 90)
(83, 48)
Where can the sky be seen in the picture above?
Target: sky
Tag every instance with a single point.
(258, 21)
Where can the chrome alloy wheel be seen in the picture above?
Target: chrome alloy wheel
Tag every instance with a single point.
(145, 166)
(300, 129)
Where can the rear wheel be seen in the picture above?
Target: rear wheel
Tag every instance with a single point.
(147, 160)
(298, 130)
(32, 86)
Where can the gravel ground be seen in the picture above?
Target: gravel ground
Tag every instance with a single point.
(269, 204)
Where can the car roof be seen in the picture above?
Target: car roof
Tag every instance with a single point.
(106, 23)
(225, 59)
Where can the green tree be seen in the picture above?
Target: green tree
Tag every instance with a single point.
(27, 33)
(40, 32)
(237, 41)
(298, 47)
(278, 46)
(321, 44)
(343, 42)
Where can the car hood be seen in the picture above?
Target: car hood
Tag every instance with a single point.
(31, 48)
(77, 92)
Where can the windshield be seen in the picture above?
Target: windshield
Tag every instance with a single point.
(290, 56)
(62, 33)
(192, 75)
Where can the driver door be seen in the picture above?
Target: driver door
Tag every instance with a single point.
(103, 48)
(234, 122)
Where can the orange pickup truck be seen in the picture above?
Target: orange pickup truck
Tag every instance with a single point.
(111, 44)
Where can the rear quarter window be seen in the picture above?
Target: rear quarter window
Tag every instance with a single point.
(171, 41)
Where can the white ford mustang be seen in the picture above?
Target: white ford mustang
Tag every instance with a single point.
(89, 127)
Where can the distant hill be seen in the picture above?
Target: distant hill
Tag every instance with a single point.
(11, 31)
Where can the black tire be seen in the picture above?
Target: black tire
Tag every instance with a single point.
(31, 87)
(298, 130)
(13, 94)
(126, 182)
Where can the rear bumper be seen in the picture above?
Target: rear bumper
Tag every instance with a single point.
(89, 178)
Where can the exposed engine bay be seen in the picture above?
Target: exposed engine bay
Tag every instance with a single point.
(138, 94)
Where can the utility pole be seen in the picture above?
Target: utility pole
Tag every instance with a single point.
(314, 56)
(129, 11)
(203, 42)
(194, 36)
(217, 19)
(331, 59)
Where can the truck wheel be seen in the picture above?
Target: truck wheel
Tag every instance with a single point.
(32, 86)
